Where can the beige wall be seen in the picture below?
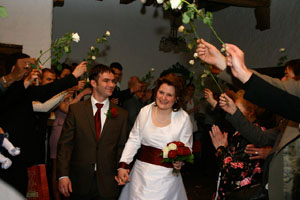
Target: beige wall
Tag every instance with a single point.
(29, 23)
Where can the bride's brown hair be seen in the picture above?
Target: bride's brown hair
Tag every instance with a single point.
(179, 85)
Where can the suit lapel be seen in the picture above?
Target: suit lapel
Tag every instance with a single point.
(90, 117)
(108, 123)
(290, 133)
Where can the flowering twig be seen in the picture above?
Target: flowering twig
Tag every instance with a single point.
(94, 52)
(58, 48)
(148, 77)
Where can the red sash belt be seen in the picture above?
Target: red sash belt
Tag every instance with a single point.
(152, 155)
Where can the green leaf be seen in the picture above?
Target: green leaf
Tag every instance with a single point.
(185, 18)
(59, 67)
(190, 14)
(167, 5)
(53, 61)
(207, 21)
(209, 15)
(33, 66)
(59, 55)
(3, 12)
(206, 71)
(190, 46)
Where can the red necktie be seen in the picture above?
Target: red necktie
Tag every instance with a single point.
(98, 120)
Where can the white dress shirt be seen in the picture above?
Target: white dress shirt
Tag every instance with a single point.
(104, 109)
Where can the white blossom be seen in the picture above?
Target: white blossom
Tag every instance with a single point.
(282, 50)
(152, 69)
(176, 4)
(75, 37)
(181, 29)
(172, 146)
(92, 48)
(160, 1)
(165, 152)
(93, 57)
(195, 55)
(107, 33)
(191, 62)
(143, 1)
(223, 50)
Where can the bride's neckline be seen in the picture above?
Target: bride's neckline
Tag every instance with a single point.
(158, 122)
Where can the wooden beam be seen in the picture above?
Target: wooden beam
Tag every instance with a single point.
(58, 3)
(245, 3)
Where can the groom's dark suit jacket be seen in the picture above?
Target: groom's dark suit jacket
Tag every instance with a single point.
(78, 150)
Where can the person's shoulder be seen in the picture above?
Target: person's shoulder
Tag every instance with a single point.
(182, 113)
(80, 104)
(146, 108)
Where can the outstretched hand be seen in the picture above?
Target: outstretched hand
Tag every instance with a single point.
(227, 104)
(235, 59)
(210, 54)
(217, 137)
(80, 69)
(209, 96)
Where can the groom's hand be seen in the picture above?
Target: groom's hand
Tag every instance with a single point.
(65, 186)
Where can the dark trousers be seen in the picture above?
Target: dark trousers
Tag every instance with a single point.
(93, 194)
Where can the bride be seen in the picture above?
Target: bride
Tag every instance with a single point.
(157, 124)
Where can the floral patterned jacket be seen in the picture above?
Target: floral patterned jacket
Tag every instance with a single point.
(237, 170)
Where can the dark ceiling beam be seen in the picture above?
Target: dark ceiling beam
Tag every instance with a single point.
(126, 1)
(245, 3)
(58, 3)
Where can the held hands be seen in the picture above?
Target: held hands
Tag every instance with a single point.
(227, 104)
(123, 176)
(258, 153)
(65, 186)
(80, 69)
(217, 137)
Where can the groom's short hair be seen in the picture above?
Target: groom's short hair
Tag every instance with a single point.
(99, 69)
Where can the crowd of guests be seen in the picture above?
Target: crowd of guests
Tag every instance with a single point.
(105, 143)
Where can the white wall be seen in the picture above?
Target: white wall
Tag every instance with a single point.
(135, 37)
(29, 23)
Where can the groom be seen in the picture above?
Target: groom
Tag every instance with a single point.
(92, 141)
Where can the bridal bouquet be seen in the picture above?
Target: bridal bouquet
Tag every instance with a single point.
(177, 151)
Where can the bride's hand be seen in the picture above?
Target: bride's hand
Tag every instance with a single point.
(177, 165)
(123, 176)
